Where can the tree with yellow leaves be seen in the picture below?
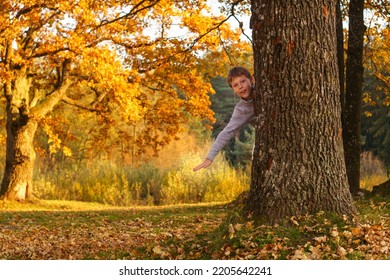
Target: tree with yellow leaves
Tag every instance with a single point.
(142, 61)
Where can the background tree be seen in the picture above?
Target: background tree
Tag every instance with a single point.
(353, 94)
(103, 57)
(376, 114)
(298, 156)
(340, 53)
(372, 13)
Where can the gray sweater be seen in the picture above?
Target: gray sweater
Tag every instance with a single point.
(243, 114)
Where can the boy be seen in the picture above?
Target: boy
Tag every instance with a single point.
(242, 83)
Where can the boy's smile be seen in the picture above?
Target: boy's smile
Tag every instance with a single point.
(242, 86)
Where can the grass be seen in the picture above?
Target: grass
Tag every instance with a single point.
(143, 185)
(44, 229)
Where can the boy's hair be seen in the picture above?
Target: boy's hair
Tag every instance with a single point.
(238, 71)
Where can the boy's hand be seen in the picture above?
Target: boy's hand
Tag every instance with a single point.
(204, 164)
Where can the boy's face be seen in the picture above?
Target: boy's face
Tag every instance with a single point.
(242, 86)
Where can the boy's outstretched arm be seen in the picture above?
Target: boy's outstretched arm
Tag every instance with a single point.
(204, 164)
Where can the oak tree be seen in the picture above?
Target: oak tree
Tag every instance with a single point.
(298, 165)
(145, 63)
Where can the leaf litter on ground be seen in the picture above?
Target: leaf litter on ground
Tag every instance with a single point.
(47, 230)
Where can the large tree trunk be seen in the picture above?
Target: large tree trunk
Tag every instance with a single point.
(353, 97)
(298, 164)
(20, 154)
(18, 175)
(22, 123)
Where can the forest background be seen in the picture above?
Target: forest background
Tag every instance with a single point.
(101, 156)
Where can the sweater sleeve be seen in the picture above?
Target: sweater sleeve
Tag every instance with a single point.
(243, 114)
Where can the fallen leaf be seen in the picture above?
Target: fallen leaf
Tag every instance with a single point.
(356, 231)
(231, 231)
(334, 232)
(157, 250)
(321, 239)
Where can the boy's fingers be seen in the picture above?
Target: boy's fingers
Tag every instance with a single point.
(202, 165)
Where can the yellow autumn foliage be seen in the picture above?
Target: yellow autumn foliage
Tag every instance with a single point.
(380, 62)
(142, 64)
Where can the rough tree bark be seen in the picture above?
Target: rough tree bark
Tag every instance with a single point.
(298, 165)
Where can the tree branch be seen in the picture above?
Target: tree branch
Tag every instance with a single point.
(51, 100)
(134, 11)
(79, 104)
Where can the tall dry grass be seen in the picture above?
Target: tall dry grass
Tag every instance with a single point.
(372, 171)
(165, 180)
(146, 184)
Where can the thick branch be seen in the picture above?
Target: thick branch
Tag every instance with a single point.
(50, 101)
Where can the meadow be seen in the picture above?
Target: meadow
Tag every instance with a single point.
(49, 229)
